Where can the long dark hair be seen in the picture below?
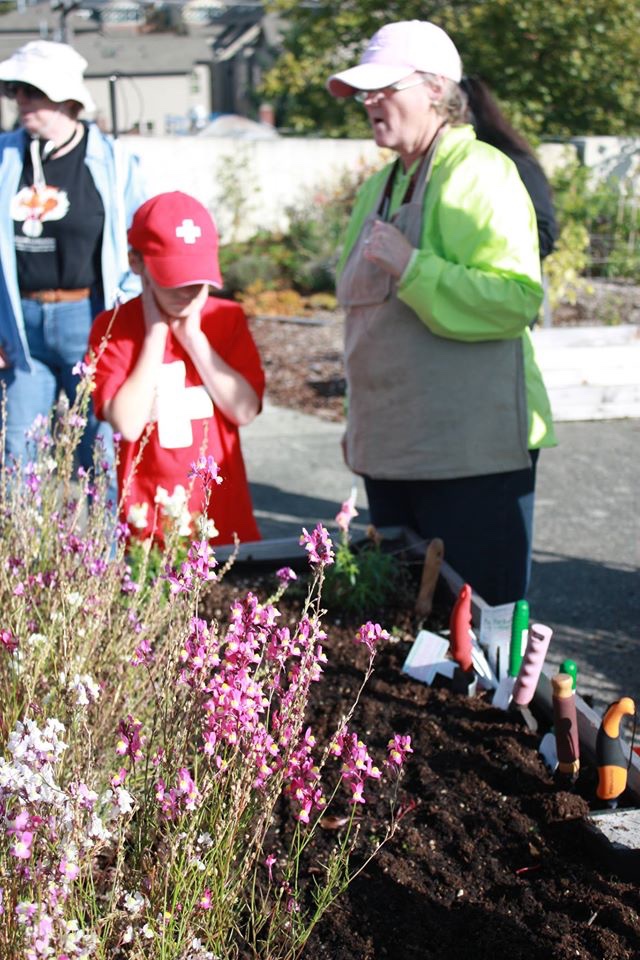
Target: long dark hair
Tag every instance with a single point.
(488, 120)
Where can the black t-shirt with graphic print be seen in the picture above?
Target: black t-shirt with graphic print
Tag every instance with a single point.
(58, 229)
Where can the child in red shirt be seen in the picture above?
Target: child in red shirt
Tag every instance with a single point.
(185, 363)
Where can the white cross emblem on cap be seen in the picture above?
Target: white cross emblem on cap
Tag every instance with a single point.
(188, 231)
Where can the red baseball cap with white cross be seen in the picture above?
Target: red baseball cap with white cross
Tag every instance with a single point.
(178, 240)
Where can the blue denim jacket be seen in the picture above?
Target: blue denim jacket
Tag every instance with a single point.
(103, 156)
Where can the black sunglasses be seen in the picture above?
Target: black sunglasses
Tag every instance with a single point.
(11, 88)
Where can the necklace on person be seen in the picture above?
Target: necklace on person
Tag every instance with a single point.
(50, 147)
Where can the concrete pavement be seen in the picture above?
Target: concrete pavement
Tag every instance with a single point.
(585, 580)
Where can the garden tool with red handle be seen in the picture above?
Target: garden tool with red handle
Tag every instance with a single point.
(519, 631)
(460, 643)
(610, 757)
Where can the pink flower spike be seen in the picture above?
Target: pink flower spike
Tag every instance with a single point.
(318, 545)
(347, 512)
(269, 862)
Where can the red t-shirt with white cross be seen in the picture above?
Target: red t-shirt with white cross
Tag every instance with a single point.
(186, 425)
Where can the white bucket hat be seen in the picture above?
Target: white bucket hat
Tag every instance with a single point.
(55, 68)
(396, 51)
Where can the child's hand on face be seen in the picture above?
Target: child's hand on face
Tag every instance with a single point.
(153, 315)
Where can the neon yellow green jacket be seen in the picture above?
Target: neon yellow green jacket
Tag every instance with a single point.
(476, 275)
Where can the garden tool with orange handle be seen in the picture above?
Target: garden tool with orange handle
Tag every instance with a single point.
(460, 644)
(610, 757)
(565, 724)
(531, 666)
(519, 633)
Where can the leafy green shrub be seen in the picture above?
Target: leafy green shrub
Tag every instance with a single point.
(305, 257)
(607, 211)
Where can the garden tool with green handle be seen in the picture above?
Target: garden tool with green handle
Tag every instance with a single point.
(519, 629)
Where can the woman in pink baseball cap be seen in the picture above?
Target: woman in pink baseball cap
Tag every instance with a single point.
(440, 279)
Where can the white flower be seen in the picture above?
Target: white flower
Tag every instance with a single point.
(134, 902)
(137, 515)
(74, 599)
(85, 688)
(147, 932)
(207, 528)
(175, 507)
(124, 800)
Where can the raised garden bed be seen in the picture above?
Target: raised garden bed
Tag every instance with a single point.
(491, 858)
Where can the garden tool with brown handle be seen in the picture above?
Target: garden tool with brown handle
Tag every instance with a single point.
(565, 725)
(433, 557)
(612, 763)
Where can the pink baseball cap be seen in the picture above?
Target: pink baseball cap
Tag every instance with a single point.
(396, 51)
(178, 240)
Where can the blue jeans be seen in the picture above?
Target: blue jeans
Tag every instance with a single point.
(486, 524)
(57, 334)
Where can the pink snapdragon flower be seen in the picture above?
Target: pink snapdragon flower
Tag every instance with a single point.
(318, 545)
(206, 470)
(347, 512)
(130, 741)
(398, 749)
(286, 575)
(8, 641)
(370, 634)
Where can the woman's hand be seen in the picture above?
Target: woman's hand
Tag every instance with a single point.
(388, 248)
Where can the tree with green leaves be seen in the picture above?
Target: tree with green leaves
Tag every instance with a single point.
(559, 69)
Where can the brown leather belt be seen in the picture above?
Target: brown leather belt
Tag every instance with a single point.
(57, 296)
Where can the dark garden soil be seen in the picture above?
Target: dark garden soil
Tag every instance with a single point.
(491, 858)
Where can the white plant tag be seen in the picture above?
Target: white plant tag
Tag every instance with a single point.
(427, 657)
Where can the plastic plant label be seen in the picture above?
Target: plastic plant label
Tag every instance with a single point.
(482, 667)
(427, 657)
(495, 636)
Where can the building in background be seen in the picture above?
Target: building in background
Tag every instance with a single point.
(160, 67)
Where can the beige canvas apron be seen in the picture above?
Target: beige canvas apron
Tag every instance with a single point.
(423, 407)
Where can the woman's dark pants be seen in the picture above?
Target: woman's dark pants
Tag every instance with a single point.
(486, 524)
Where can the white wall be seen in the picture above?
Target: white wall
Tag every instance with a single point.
(254, 181)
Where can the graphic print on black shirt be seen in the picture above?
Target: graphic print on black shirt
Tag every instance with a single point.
(58, 226)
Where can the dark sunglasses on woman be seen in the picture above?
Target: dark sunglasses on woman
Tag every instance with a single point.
(11, 88)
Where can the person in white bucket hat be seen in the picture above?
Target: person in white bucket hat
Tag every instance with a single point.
(67, 195)
(439, 278)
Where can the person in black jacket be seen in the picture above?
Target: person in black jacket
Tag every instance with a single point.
(492, 127)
